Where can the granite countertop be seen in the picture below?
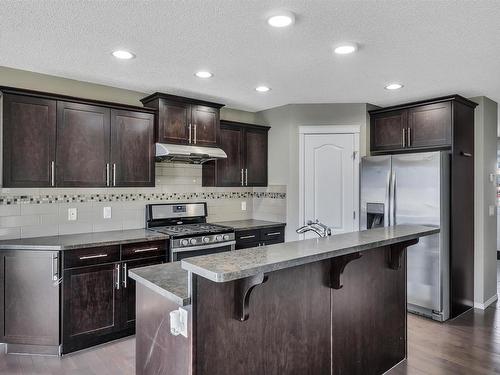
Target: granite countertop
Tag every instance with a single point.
(78, 241)
(168, 280)
(228, 266)
(249, 224)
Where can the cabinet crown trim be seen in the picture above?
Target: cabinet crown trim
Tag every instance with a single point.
(244, 125)
(456, 97)
(160, 95)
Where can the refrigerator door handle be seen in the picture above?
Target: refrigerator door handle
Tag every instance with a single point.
(392, 201)
(387, 210)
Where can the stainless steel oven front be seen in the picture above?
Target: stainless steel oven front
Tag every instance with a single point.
(179, 253)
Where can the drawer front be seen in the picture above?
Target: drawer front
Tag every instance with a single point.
(91, 256)
(247, 236)
(246, 245)
(274, 234)
(144, 250)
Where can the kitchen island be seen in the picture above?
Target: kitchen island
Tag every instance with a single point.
(334, 305)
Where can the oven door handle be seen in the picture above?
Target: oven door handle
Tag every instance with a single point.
(203, 247)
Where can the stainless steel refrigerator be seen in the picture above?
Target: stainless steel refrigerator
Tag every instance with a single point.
(414, 189)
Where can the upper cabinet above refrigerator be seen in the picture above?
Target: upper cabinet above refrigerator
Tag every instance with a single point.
(424, 125)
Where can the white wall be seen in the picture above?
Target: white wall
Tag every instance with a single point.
(485, 224)
(284, 143)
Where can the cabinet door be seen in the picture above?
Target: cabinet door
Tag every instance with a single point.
(229, 171)
(29, 130)
(132, 148)
(173, 122)
(205, 121)
(90, 305)
(255, 157)
(429, 125)
(82, 145)
(128, 285)
(30, 299)
(386, 131)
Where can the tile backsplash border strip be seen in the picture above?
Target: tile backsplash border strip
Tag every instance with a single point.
(124, 197)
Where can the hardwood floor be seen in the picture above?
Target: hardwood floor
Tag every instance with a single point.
(468, 345)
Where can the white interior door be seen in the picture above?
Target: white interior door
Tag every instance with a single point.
(330, 181)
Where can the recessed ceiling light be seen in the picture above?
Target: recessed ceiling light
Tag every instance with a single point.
(281, 19)
(203, 74)
(345, 48)
(262, 89)
(123, 55)
(393, 86)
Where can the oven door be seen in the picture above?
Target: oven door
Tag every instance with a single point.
(177, 254)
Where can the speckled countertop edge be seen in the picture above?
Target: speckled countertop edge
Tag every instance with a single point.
(168, 279)
(224, 267)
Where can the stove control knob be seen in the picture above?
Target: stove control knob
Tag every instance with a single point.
(206, 239)
(226, 237)
(184, 242)
(192, 241)
(218, 237)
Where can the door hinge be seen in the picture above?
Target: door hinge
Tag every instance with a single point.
(354, 215)
(354, 153)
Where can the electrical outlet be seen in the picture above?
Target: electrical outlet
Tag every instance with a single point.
(492, 210)
(179, 322)
(72, 214)
(106, 212)
(243, 206)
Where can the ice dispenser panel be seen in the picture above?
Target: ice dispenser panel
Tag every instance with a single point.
(374, 215)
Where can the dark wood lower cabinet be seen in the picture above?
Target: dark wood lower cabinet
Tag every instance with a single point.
(90, 298)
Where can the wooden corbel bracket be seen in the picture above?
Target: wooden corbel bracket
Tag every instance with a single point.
(395, 252)
(338, 265)
(243, 289)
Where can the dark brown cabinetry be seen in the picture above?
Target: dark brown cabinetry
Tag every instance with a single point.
(98, 296)
(53, 140)
(424, 125)
(246, 163)
(183, 120)
(29, 134)
(259, 237)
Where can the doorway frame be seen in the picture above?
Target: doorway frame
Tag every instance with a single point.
(305, 130)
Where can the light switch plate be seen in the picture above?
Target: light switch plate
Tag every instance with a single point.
(492, 210)
(106, 212)
(492, 177)
(72, 214)
(243, 206)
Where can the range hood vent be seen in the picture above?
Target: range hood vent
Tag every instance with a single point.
(166, 152)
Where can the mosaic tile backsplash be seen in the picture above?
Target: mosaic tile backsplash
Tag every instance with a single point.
(43, 212)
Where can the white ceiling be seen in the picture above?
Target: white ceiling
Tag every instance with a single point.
(432, 47)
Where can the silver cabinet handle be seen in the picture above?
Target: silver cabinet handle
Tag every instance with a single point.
(409, 137)
(246, 237)
(117, 282)
(52, 173)
(107, 174)
(242, 177)
(246, 176)
(404, 137)
(56, 280)
(189, 127)
(273, 234)
(144, 250)
(114, 174)
(195, 133)
(466, 154)
(124, 275)
(85, 257)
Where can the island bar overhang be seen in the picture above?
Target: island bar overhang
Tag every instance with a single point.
(324, 306)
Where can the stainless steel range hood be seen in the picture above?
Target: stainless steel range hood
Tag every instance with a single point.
(187, 154)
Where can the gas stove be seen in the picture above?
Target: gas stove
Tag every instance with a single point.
(190, 234)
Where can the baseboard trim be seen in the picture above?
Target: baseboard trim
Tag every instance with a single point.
(483, 306)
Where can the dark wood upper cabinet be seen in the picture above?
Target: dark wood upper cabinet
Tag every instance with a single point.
(60, 141)
(181, 120)
(82, 145)
(429, 125)
(255, 157)
(205, 122)
(423, 125)
(246, 163)
(29, 134)
(387, 131)
(132, 148)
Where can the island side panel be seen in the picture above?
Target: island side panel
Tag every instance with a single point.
(157, 350)
(287, 332)
(369, 315)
